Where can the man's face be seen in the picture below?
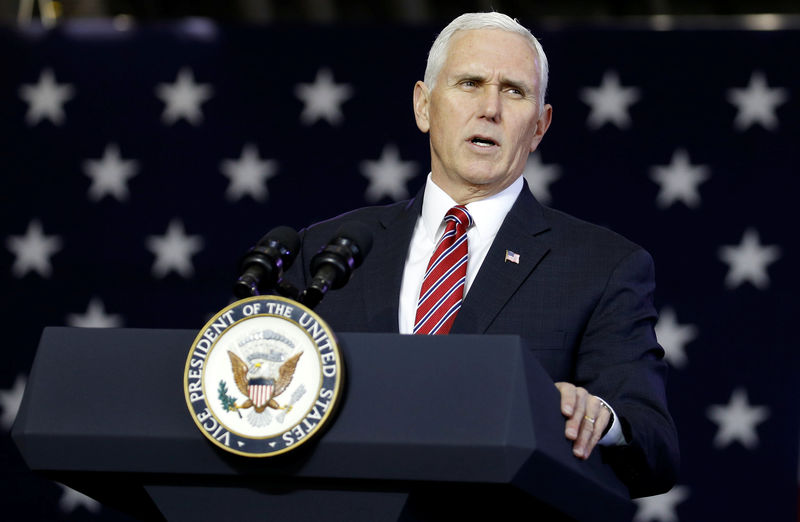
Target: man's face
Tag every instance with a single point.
(482, 114)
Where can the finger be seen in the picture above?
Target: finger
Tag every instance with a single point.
(592, 425)
(574, 422)
(603, 418)
(567, 391)
(586, 426)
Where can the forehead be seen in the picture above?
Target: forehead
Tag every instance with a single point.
(473, 50)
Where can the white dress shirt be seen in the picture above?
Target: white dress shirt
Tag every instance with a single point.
(487, 215)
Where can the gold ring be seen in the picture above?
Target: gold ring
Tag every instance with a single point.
(588, 419)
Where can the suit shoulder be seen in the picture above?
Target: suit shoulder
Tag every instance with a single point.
(372, 217)
(595, 239)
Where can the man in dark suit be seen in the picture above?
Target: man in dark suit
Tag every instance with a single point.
(579, 294)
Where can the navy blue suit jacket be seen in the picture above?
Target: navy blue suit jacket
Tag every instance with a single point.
(581, 296)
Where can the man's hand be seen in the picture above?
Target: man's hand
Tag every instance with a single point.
(586, 415)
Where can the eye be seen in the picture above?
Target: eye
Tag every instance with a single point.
(470, 83)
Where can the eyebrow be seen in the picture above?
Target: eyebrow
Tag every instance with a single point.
(469, 76)
(515, 84)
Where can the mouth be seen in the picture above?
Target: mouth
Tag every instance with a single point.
(483, 141)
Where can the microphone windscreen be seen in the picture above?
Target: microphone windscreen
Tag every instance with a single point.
(359, 234)
(287, 238)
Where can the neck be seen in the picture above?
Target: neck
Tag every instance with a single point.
(465, 193)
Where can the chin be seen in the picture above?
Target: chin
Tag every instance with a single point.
(482, 178)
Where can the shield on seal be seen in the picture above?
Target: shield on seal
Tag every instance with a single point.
(260, 390)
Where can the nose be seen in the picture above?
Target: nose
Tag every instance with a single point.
(491, 103)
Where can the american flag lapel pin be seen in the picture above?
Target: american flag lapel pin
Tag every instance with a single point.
(512, 256)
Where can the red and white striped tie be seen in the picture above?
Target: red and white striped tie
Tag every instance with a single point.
(443, 285)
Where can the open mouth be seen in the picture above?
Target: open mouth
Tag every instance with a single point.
(483, 142)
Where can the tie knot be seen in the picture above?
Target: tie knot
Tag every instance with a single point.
(460, 215)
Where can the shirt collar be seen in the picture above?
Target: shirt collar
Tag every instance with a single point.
(487, 214)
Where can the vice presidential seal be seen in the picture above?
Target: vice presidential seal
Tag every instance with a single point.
(263, 376)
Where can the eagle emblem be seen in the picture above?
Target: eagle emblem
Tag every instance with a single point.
(262, 378)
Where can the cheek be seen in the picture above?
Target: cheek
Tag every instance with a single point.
(443, 127)
(527, 136)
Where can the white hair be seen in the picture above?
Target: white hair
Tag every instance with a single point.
(465, 22)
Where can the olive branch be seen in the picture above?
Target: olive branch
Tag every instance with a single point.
(228, 402)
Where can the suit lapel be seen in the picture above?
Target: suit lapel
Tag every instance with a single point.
(497, 280)
(384, 272)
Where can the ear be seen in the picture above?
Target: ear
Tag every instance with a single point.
(542, 124)
(421, 106)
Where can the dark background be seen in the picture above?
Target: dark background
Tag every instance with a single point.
(414, 11)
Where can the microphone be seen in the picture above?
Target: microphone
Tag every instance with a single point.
(263, 265)
(332, 266)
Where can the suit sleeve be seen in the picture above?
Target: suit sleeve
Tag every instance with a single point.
(620, 360)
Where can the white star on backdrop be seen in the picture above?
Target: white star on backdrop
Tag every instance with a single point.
(183, 98)
(737, 420)
(110, 174)
(95, 317)
(323, 99)
(248, 175)
(757, 103)
(46, 98)
(674, 337)
(660, 507)
(679, 181)
(610, 102)
(10, 400)
(33, 251)
(174, 250)
(539, 177)
(748, 261)
(70, 500)
(388, 175)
